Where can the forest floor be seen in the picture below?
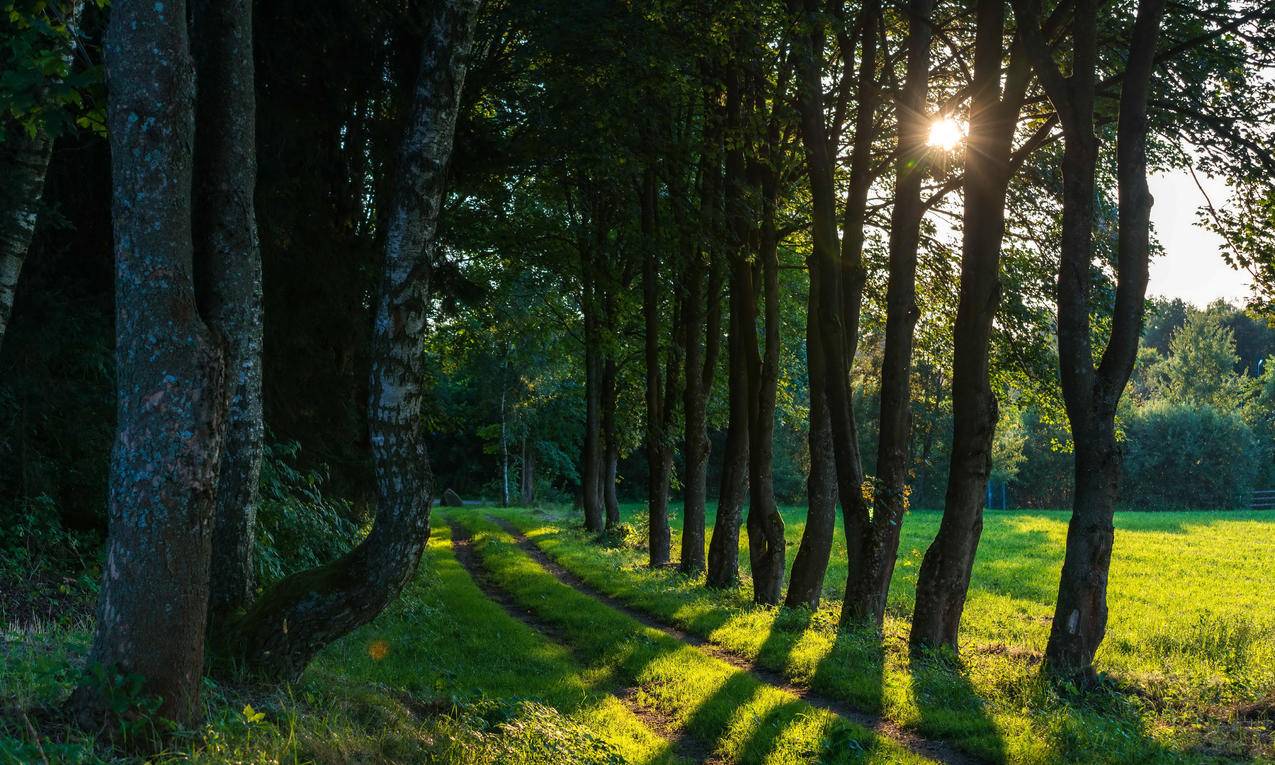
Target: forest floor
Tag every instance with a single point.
(523, 640)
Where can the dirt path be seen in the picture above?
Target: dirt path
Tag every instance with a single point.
(683, 745)
(935, 750)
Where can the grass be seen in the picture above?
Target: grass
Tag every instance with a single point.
(1191, 636)
(444, 675)
(728, 711)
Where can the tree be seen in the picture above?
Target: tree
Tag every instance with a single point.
(945, 572)
(836, 293)
(169, 380)
(283, 630)
(874, 540)
(1091, 393)
(228, 260)
(1200, 367)
(26, 134)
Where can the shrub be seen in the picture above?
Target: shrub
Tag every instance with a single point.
(1194, 457)
(297, 526)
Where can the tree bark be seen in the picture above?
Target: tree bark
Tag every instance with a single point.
(611, 443)
(24, 161)
(591, 459)
(836, 292)
(811, 563)
(305, 612)
(1092, 395)
(228, 263)
(945, 571)
(528, 482)
(767, 548)
(659, 455)
(723, 549)
(875, 550)
(701, 365)
(169, 379)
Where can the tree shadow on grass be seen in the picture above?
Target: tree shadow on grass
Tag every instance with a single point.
(951, 708)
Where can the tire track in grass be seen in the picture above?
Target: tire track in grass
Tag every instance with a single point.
(925, 747)
(682, 745)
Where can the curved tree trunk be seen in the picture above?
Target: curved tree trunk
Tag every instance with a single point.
(835, 301)
(1092, 395)
(228, 262)
(303, 613)
(945, 572)
(154, 596)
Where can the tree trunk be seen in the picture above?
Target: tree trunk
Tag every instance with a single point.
(835, 301)
(767, 548)
(658, 453)
(24, 161)
(591, 459)
(611, 443)
(1092, 395)
(723, 549)
(169, 379)
(945, 571)
(307, 611)
(877, 550)
(504, 454)
(701, 367)
(811, 563)
(228, 262)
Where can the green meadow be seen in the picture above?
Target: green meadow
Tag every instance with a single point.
(1190, 643)
(546, 673)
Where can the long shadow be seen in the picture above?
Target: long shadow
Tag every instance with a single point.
(680, 743)
(787, 629)
(951, 708)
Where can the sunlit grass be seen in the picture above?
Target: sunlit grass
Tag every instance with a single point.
(444, 675)
(727, 710)
(1191, 635)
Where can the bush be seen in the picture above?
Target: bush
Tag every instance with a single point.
(297, 526)
(1179, 456)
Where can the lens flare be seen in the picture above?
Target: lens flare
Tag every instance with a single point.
(946, 133)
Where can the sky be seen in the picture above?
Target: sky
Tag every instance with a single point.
(1192, 267)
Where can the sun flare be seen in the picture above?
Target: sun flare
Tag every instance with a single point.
(946, 133)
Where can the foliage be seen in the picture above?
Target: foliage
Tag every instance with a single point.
(1180, 455)
(298, 526)
(1200, 367)
(41, 89)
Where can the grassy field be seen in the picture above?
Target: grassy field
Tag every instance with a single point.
(1191, 638)
(444, 675)
(546, 674)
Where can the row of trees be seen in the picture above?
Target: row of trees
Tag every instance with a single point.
(662, 220)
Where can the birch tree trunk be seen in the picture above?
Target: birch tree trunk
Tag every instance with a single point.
(305, 612)
(228, 261)
(169, 378)
(24, 162)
